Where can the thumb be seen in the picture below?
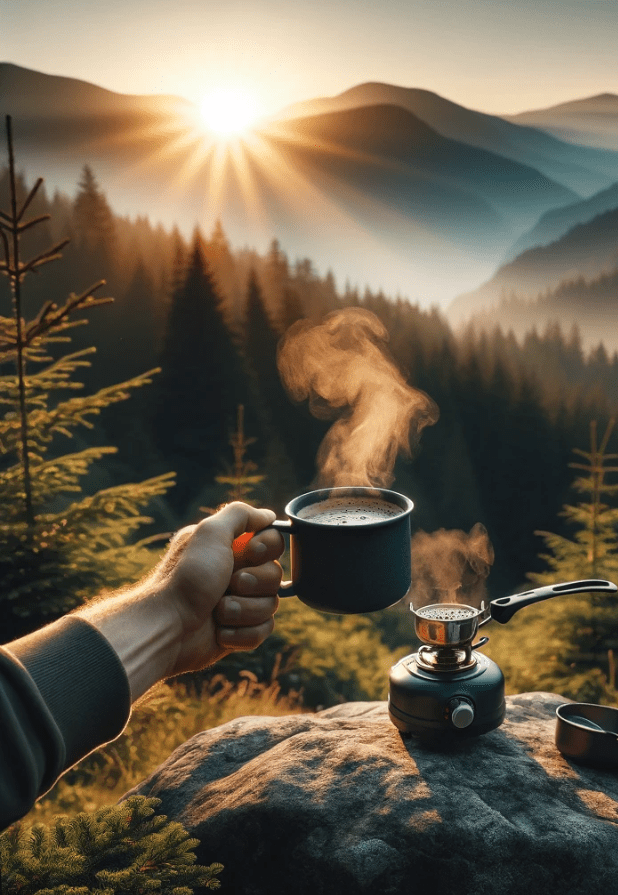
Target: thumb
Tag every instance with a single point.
(236, 518)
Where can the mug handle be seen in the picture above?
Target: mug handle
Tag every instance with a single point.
(286, 527)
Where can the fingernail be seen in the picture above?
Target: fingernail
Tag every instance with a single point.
(248, 580)
(233, 607)
(258, 547)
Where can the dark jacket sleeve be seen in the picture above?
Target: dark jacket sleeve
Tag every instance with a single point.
(63, 693)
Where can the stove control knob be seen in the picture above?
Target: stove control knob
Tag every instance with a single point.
(462, 712)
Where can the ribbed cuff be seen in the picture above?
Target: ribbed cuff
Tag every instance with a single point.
(82, 681)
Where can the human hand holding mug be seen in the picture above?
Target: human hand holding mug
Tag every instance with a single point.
(349, 548)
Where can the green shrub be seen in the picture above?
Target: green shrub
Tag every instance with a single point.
(125, 848)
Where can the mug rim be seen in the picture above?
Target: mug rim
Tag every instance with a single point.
(311, 497)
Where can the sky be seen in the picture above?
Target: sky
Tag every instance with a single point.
(496, 56)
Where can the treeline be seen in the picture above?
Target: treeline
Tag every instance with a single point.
(592, 302)
(210, 317)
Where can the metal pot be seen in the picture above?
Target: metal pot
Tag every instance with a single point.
(456, 624)
(588, 734)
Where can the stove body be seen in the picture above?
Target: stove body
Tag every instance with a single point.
(439, 693)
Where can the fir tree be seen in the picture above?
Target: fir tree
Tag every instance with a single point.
(223, 269)
(55, 550)
(125, 848)
(200, 385)
(93, 216)
(260, 349)
(290, 431)
(242, 476)
(578, 635)
(592, 552)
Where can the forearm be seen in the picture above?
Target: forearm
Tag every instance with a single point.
(144, 632)
(67, 689)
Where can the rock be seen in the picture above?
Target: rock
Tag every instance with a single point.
(340, 802)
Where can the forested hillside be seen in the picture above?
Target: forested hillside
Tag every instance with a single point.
(210, 316)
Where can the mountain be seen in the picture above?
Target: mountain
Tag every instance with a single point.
(587, 251)
(582, 169)
(555, 223)
(28, 94)
(592, 121)
(374, 193)
(385, 148)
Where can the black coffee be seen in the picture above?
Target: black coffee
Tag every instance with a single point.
(350, 511)
(446, 613)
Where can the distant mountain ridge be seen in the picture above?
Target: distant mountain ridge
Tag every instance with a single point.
(588, 250)
(375, 192)
(588, 303)
(27, 93)
(592, 121)
(557, 222)
(385, 135)
(584, 170)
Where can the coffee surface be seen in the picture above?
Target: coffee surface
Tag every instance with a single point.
(446, 613)
(350, 511)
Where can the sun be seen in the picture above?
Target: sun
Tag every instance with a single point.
(228, 111)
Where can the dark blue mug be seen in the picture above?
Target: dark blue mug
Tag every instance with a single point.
(349, 548)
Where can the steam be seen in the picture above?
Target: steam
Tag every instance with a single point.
(451, 566)
(342, 365)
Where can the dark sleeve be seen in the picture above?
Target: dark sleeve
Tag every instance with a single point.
(63, 693)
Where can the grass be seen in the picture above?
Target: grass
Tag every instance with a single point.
(168, 716)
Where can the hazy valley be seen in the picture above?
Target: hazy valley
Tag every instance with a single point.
(393, 188)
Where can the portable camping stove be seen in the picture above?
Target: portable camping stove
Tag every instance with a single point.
(448, 688)
(441, 689)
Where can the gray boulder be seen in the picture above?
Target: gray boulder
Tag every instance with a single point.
(340, 802)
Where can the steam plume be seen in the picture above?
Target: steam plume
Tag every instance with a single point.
(450, 566)
(342, 365)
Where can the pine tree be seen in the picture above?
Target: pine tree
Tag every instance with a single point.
(260, 349)
(55, 550)
(290, 432)
(592, 552)
(572, 640)
(242, 476)
(93, 216)
(200, 385)
(275, 277)
(223, 269)
(125, 848)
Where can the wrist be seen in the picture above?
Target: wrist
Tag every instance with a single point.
(144, 631)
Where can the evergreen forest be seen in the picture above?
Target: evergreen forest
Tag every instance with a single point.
(183, 386)
(210, 317)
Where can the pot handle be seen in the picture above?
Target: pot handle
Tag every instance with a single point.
(504, 608)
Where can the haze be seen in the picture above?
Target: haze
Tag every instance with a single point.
(498, 56)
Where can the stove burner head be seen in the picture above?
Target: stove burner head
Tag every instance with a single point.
(445, 658)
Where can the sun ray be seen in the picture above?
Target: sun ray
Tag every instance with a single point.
(267, 180)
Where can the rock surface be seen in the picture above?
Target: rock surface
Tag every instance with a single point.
(340, 802)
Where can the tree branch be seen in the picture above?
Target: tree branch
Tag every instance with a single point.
(29, 199)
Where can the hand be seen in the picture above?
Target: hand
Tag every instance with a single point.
(224, 601)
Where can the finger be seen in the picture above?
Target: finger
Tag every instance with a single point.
(244, 638)
(236, 518)
(256, 580)
(244, 612)
(255, 549)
